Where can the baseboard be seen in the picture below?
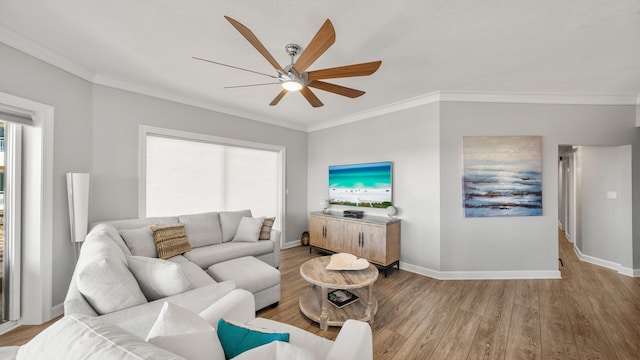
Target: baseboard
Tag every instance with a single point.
(481, 275)
(291, 244)
(606, 264)
(57, 310)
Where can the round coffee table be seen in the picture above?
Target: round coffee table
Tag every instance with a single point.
(315, 305)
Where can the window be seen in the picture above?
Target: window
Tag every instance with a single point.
(186, 173)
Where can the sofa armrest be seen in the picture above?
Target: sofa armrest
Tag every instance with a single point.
(238, 305)
(276, 236)
(353, 342)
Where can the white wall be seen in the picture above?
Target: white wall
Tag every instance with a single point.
(518, 243)
(96, 131)
(606, 223)
(409, 138)
(117, 116)
(24, 76)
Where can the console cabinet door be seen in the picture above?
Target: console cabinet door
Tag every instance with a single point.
(374, 242)
(326, 233)
(367, 241)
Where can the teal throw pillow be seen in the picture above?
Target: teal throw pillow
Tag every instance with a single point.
(237, 339)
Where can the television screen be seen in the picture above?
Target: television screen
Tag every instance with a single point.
(367, 185)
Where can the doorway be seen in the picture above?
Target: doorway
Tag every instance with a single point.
(594, 203)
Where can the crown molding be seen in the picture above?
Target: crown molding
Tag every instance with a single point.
(537, 98)
(29, 47)
(186, 100)
(378, 111)
(483, 97)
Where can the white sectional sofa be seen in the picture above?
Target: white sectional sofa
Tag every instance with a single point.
(83, 337)
(120, 278)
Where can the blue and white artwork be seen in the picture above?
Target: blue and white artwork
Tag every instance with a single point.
(502, 176)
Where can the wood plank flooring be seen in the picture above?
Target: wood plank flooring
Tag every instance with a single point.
(592, 313)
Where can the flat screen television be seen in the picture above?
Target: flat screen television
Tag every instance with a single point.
(365, 185)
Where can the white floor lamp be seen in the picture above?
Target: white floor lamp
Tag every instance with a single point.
(78, 194)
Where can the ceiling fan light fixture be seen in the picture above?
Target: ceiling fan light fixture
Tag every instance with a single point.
(292, 85)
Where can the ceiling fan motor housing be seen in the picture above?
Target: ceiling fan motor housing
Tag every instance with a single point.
(292, 49)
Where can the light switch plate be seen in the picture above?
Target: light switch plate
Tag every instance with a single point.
(612, 195)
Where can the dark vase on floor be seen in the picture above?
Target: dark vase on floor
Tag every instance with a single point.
(304, 239)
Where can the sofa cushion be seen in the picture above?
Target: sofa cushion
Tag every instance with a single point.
(110, 232)
(139, 319)
(229, 221)
(247, 273)
(186, 334)
(158, 278)
(265, 230)
(297, 336)
(248, 229)
(80, 337)
(171, 240)
(202, 229)
(277, 350)
(140, 241)
(237, 338)
(196, 276)
(208, 255)
(104, 279)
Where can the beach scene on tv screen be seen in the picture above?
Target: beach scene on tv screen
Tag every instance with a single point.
(366, 185)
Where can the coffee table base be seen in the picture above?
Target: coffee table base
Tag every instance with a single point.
(315, 298)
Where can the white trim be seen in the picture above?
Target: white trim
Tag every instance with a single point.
(29, 47)
(481, 275)
(37, 206)
(289, 245)
(8, 326)
(537, 98)
(57, 310)
(13, 221)
(145, 130)
(18, 42)
(104, 80)
(606, 264)
(382, 110)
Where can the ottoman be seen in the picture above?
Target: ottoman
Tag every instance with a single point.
(253, 275)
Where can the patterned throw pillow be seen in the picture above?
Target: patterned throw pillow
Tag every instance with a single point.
(171, 240)
(265, 231)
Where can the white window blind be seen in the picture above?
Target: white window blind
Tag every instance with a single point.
(189, 176)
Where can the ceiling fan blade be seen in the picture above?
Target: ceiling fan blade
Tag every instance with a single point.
(251, 85)
(233, 67)
(324, 38)
(363, 69)
(311, 97)
(336, 89)
(251, 37)
(278, 97)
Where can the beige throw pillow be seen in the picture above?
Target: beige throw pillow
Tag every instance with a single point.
(171, 240)
(265, 231)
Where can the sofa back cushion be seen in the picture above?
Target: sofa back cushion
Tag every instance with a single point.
(229, 221)
(202, 229)
(140, 241)
(103, 277)
(84, 337)
(158, 278)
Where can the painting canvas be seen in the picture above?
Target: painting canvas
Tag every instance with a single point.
(502, 176)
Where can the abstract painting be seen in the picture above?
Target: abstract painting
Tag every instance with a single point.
(502, 176)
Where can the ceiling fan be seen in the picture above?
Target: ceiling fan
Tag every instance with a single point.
(295, 77)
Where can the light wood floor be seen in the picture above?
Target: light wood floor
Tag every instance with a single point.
(592, 313)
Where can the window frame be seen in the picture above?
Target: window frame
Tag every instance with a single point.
(146, 130)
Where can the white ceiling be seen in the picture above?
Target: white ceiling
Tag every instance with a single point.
(588, 47)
